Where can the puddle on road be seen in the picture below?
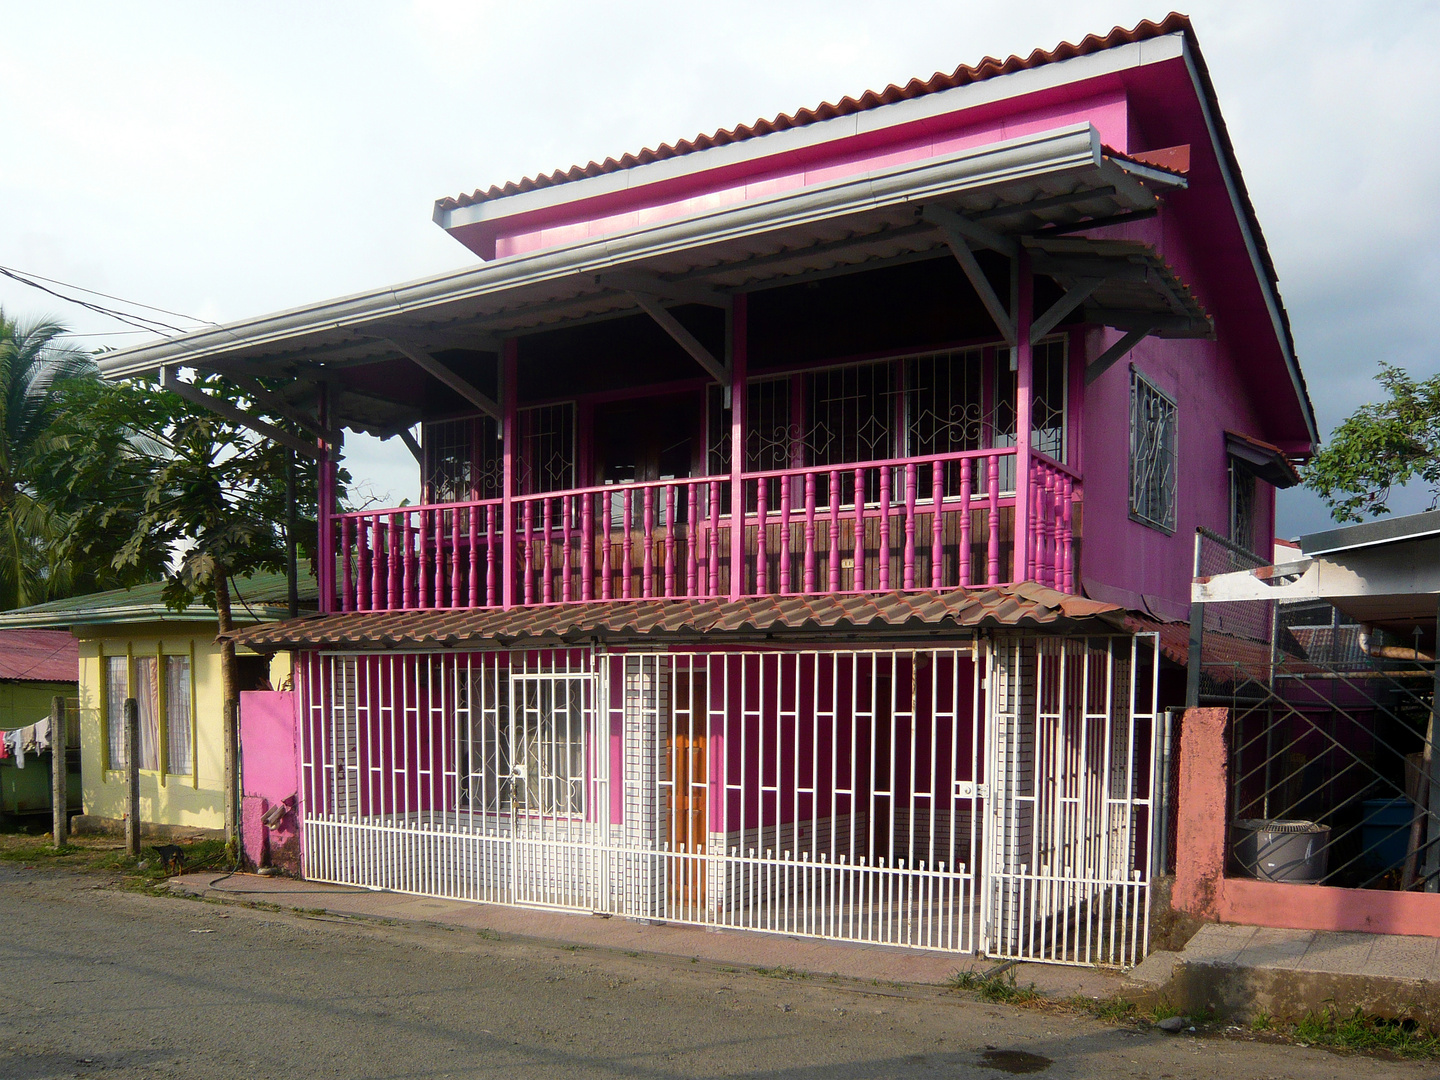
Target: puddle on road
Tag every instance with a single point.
(1015, 1061)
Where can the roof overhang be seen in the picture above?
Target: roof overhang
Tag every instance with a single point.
(1037, 185)
(1267, 462)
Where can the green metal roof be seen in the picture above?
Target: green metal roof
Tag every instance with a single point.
(258, 598)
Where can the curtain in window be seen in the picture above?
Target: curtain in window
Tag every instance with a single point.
(177, 715)
(117, 688)
(147, 699)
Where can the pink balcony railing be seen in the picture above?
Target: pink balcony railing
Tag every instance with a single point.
(919, 523)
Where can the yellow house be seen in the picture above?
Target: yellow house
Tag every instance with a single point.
(132, 645)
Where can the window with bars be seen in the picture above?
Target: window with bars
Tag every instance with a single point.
(526, 748)
(464, 459)
(1242, 506)
(546, 436)
(1152, 455)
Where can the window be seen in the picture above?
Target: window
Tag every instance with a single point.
(463, 460)
(547, 448)
(1048, 396)
(548, 749)
(158, 700)
(178, 744)
(1152, 455)
(1242, 506)
(117, 689)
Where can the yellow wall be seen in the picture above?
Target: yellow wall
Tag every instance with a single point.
(196, 801)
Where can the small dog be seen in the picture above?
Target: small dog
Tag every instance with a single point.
(171, 857)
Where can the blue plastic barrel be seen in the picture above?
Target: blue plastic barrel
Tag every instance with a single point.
(1385, 832)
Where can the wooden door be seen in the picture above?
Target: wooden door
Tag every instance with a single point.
(689, 829)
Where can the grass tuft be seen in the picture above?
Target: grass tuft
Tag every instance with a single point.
(999, 989)
(1365, 1033)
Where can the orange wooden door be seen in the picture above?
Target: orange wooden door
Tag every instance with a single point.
(689, 821)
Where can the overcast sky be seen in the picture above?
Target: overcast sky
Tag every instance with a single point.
(223, 161)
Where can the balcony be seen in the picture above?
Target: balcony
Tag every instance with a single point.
(941, 521)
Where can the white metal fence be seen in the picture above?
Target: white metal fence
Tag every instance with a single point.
(994, 798)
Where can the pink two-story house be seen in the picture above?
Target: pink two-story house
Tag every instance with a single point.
(803, 508)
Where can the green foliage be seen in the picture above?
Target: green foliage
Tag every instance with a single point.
(35, 367)
(998, 988)
(1381, 446)
(1366, 1033)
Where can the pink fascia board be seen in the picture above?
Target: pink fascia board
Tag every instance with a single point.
(615, 211)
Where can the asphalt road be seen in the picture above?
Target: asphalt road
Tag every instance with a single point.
(95, 982)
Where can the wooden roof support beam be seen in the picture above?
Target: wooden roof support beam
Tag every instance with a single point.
(1076, 295)
(676, 292)
(1110, 356)
(170, 380)
(278, 405)
(410, 444)
(958, 240)
(686, 340)
(429, 364)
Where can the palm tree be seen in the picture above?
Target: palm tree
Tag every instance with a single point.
(33, 366)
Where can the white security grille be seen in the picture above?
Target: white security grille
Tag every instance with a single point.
(992, 798)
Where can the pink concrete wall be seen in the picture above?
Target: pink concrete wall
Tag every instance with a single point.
(1203, 890)
(270, 776)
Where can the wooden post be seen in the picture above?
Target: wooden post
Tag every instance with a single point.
(232, 773)
(132, 774)
(1023, 296)
(59, 815)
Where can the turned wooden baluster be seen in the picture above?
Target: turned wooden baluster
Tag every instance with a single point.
(669, 539)
(587, 547)
(473, 523)
(625, 563)
(379, 559)
(762, 570)
(528, 540)
(605, 545)
(884, 528)
(347, 591)
(565, 509)
(692, 565)
(457, 573)
(910, 483)
(965, 521)
(937, 524)
(362, 566)
(715, 538)
(1067, 532)
(547, 583)
(809, 532)
(422, 598)
(408, 585)
(834, 530)
(439, 558)
(785, 482)
(992, 554)
(492, 558)
(859, 568)
(647, 570)
(393, 546)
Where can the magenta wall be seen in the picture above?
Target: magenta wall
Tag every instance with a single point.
(270, 776)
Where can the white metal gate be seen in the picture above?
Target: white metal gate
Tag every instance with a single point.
(992, 798)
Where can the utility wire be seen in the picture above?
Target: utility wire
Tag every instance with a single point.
(141, 322)
(107, 296)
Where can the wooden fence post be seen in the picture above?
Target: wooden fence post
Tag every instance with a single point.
(232, 774)
(132, 773)
(59, 767)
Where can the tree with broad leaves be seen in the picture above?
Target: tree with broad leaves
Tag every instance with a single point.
(1381, 446)
(208, 491)
(35, 368)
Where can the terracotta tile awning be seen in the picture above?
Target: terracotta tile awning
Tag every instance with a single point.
(1022, 605)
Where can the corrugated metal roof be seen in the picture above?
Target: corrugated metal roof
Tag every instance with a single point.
(1022, 605)
(259, 596)
(965, 74)
(39, 656)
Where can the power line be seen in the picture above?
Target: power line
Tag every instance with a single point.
(107, 296)
(140, 322)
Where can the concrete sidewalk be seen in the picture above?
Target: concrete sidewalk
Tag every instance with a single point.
(1245, 971)
(741, 948)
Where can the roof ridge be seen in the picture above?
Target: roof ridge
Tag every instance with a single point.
(964, 75)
